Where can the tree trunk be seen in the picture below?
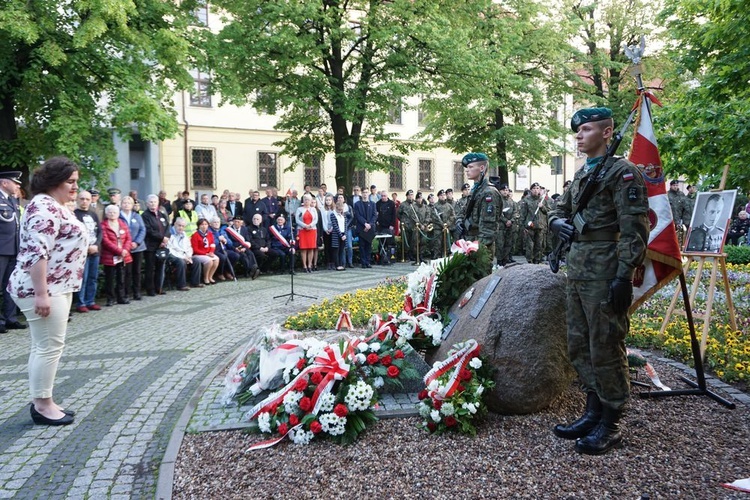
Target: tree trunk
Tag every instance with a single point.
(501, 149)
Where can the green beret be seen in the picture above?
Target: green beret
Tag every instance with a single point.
(472, 157)
(587, 115)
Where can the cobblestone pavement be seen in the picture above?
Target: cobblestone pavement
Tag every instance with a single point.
(131, 373)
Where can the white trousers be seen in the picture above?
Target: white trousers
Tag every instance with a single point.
(47, 342)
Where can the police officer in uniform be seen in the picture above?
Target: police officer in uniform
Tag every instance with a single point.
(10, 216)
(479, 218)
(609, 242)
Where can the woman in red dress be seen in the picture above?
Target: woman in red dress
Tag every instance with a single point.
(307, 237)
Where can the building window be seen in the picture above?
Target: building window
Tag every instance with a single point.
(359, 178)
(267, 170)
(425, 175)
(203, 171)
(312, 172)
(557, 165)
(394, 115)
(396, 175)
(458, 175)
(201, 93)
(201, 13)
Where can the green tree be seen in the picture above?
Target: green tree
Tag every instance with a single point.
(500, 93)
(332, 70)
(72, 72)
(706, 115)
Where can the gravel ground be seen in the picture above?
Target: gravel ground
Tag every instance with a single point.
(678, 447)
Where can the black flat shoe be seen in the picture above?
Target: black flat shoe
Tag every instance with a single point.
(15, 325)
(40, 419)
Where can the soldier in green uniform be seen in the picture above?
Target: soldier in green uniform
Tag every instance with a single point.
(407, 214)
(534, 211)
(480, 217)
(442, 218)
(449, 198)
(677, 203)
(609, 242)
(504, 241)
(460, 207)
(687, 214)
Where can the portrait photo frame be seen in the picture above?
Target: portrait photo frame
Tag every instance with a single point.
(709, 222)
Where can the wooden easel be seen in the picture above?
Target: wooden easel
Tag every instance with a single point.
(718, 261)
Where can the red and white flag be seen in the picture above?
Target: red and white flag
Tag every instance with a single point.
(663, 258)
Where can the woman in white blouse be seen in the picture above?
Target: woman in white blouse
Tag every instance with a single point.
(49, 269)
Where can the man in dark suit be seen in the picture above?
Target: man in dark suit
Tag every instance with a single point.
(234, 206)
(254, 205)
(365, 216)
(10, 216)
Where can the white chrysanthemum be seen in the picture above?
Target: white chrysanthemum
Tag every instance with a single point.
(363, 347)
(360, 358)
(432, 328)
(405, 330)
(479, 391)
(301, 436)
(378, 382)
(375, 347)
(327, 401)
(447, 409)
(475, 363)
(358, 396)
(287, 374)
(295, 371)
(424, 409)
(332, 424)
(435, 415)
(470, 406)
(264, 422)
(291, 401)
(400, 341)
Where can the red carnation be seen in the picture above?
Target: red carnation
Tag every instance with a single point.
(293, 420)
(301, 363)
(422, 394)
(305, 404)
(432, 426)
(460, 388)
(450, 421)
(301, 384)
(316, 378)
(399, 354)
(341, 410)
(393, 371)
(437, 404)
(283, 429)
(372, 358)
(464, 374)
(315, 427)
(386, 360)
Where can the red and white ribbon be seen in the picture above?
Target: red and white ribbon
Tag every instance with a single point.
(456, 362)
(237, 237)
(279, 237)
(464, 246)
(344, 321)
(272, 442)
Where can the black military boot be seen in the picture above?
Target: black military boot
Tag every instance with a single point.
(586, 423)
(605, 436)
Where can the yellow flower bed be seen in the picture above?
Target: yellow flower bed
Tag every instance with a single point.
(362, 304)
(727, 350)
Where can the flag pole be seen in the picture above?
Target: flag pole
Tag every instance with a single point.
(635, 53)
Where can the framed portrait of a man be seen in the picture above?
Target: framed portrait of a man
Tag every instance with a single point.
(708, 225)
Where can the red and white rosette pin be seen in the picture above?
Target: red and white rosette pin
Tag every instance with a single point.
(345, 321)
(456, 362)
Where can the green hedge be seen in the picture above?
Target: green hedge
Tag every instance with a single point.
(738, 254)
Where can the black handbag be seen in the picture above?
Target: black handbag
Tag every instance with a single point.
(161, 253)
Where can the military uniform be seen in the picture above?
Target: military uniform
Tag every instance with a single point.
(613, 246)
(484, 214)
(10, 216)
(705, 239)
(409, 217)
(506, 224)
(534, 224)
(443, 219)
(677, 204)
(459, 208)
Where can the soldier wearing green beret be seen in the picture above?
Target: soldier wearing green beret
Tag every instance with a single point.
(479, 217)
(608, 243)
